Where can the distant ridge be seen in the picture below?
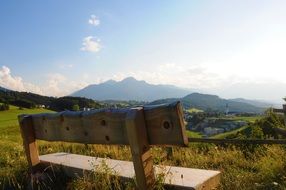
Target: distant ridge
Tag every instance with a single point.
(4, 89)
(257, 103)
(212, 102)
(130, 89)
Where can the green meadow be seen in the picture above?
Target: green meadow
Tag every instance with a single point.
(242, 167)
(9, 118)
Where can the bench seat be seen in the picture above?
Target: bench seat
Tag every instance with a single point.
(176, 177)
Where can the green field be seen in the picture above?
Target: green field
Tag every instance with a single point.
(226, 134)
(245, 118)
(194, 110)
(9, 118)
(255, 167)
(193, 134)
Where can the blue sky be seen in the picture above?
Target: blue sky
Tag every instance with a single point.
(224, 47)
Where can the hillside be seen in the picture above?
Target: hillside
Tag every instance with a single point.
(211, 102)
(130, 89)
(10, 118)
(31, 100)
(3, 89)
(136, 90)
(257, 103)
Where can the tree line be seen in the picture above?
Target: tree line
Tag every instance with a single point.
(31, 100)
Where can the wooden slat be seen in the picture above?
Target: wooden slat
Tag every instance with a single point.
(164, 125)
(140, 149)
(28, 136)
(174, 177)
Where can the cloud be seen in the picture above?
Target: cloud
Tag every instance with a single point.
(8, 81)
(59, 85)
(56, 84)
(15, 82)
(193, 77)
(91, 44)
(53, 84)
(93, 20)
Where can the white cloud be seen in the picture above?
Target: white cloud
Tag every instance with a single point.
(55, 85)
(91, 44)
(193, 77)
(94, 20)
(15, 82)
(59, 85)
(8, 81)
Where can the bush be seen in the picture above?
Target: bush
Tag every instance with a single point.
(4, 107)
(75, 107)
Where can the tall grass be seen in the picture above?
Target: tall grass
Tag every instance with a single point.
(242, 167)
(264, 168)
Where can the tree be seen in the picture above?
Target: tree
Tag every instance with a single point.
(75, 107)
(256, 132)
(269, 123)
(4, 107)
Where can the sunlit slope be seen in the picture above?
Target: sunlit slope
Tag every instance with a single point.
(10, 117)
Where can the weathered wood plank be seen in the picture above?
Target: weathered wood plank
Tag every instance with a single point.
(164, 125)
(140, 149)
(175, 177)
(29, 143)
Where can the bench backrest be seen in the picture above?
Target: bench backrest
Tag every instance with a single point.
(138, 127)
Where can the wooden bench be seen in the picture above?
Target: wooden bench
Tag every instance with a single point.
(137, 127)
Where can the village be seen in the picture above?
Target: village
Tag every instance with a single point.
(212, 123)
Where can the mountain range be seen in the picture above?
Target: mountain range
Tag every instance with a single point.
(130, 89)
(141, 91)
(3, 89)
(212, 102)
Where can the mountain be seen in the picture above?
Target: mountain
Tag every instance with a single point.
(130, 89)
(3, 89)
(257, 103)
(270, 91)
(206, 101)
(212, 102)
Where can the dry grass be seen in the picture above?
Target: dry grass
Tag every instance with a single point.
(256, 167)
(264, 168)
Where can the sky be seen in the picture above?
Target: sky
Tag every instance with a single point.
(229, 48)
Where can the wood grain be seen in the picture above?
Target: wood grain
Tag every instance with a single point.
(140, 149)
(164, 126)
(30, 147)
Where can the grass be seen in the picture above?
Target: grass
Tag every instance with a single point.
(193, 134)
(9, 118)
(250, 119)
(194, 110)
(226, 134)
(258, 167)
